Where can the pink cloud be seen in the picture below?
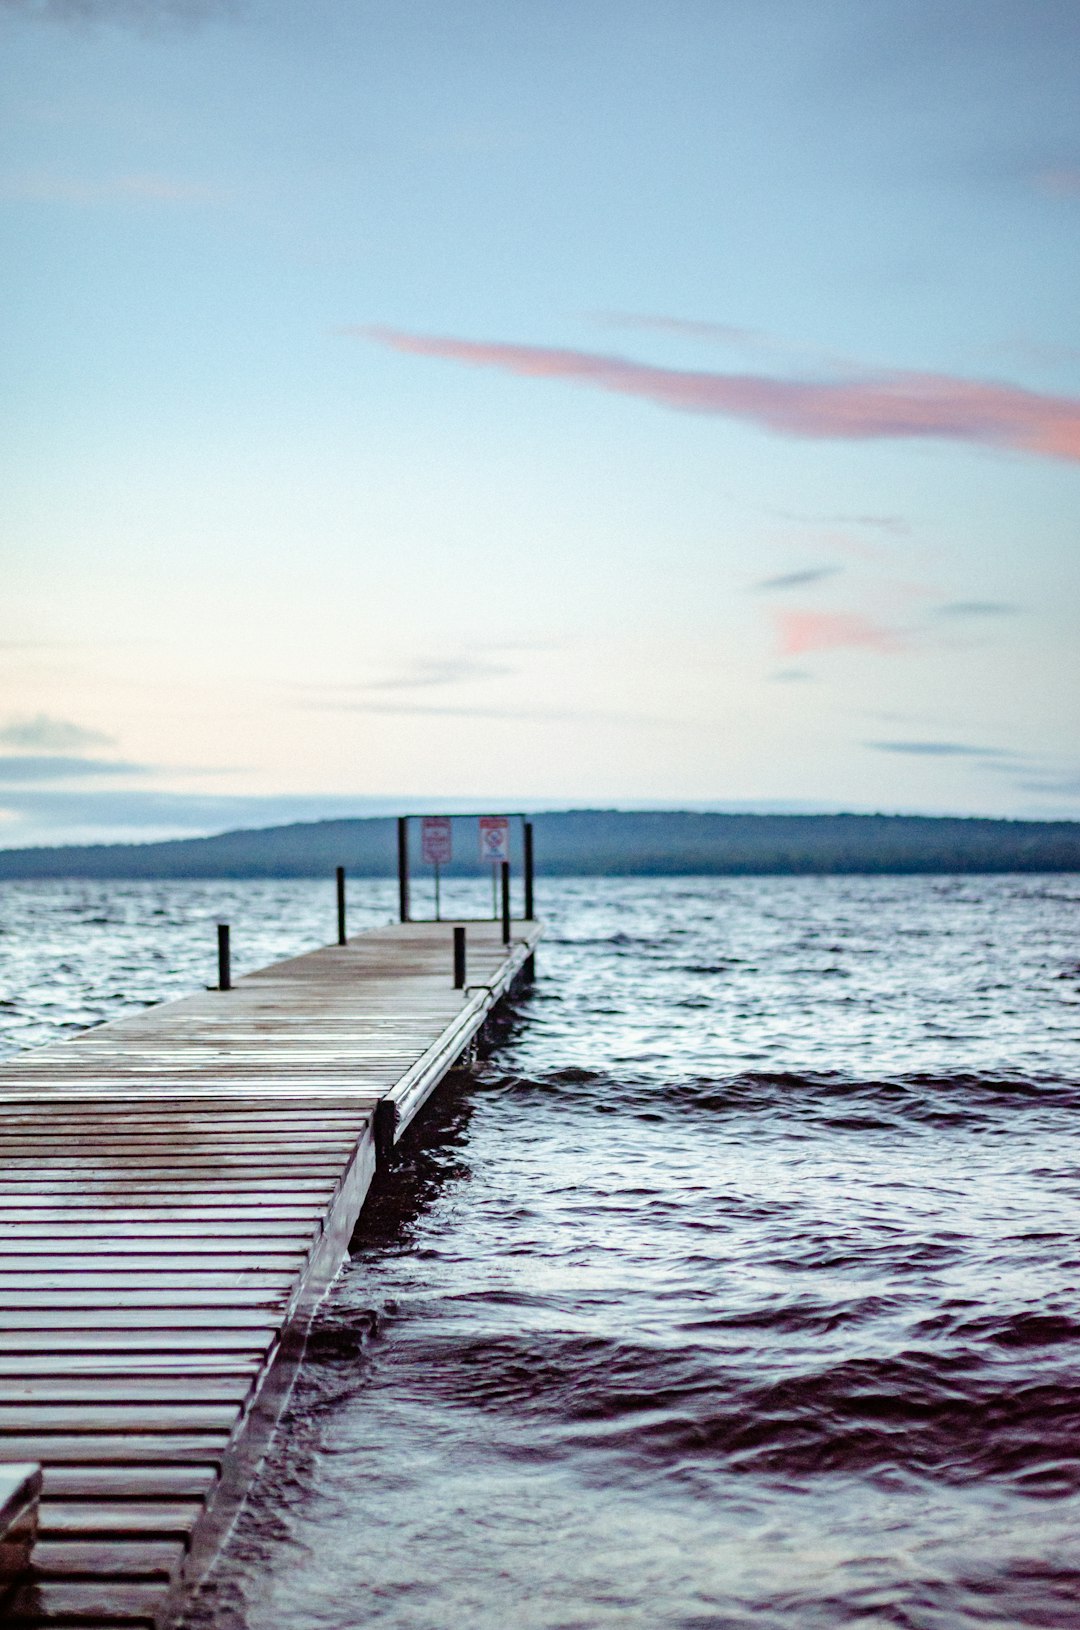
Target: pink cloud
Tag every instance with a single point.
(802, 631)
(1061, 181)
(886, 405)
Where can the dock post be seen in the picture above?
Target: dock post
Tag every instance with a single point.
(20, 1492)
(384, 1126)
(403, 867)
(505, 869)
(341, 936)
(528, 871)
(224, 968)
(459, 957)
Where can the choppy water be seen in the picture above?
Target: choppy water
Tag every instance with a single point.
(738, 1287)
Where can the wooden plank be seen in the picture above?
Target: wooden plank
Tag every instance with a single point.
(78, 1210)
(149, 1117)
(125, 1387)
(281, 1265)
(149, 1249)
(116, 1417)
(193, 1189)
(95, 1559)
(80, 1347)
(139, 1167)
(282, 1147)
(126, 1319)
(61, 1366)
(77, 1519)
(302, 1131)
(219, 1183)
(231, 1298)
(18, 1285)
(252, 1234)
(117, 1448)
(103, 1604)
(104, 1484)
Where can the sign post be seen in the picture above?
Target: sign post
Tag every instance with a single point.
(436, 849)
(495, 849)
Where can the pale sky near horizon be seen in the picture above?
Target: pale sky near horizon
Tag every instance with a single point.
(581, 402)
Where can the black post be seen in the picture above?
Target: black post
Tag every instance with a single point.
(528, 872)
(505, 869)
(224, 971)
(384, 1131)
(341, 937)
(403, 866)
(459, 958)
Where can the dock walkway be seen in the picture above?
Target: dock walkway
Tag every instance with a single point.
(177, 1191)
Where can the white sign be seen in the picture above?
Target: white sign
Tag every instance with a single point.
(435, 840)
(494, 838)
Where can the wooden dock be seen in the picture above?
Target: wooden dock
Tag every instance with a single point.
(177, 1192)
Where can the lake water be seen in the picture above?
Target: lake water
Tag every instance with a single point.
(737, 1286)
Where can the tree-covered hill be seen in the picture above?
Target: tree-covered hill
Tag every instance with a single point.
(596, 843)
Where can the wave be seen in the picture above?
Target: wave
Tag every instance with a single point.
(945, 1414)
(849, 1104)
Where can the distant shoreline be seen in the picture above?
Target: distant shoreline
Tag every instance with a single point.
(594, 843)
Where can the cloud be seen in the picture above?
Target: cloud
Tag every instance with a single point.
(90, 816)
(689, 327)
(796, 580)
(896, 525)
(422, 674)
(34, 767)
(1064, 786)
(1059, 180)
(397, 709)
(442, 671)
(728, 334)
(60, 817)
(803, 631)
(143, 14)
(940, 749)
(888, 405)
(122, 189)
(51, 735)
(978, 608)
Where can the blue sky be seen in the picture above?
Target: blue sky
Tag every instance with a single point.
(563, 403)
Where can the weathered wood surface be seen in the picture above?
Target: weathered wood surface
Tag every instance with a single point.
(177, 1191)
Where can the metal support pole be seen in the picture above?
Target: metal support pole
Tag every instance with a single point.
(224, 970)
(505, 869)
(403, 866)
(341, 938)
(459, 957)
(528, 872)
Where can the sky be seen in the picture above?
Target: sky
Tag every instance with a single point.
(536, 403)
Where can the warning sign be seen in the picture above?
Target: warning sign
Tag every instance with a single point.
(494, 838)
(435, 846)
